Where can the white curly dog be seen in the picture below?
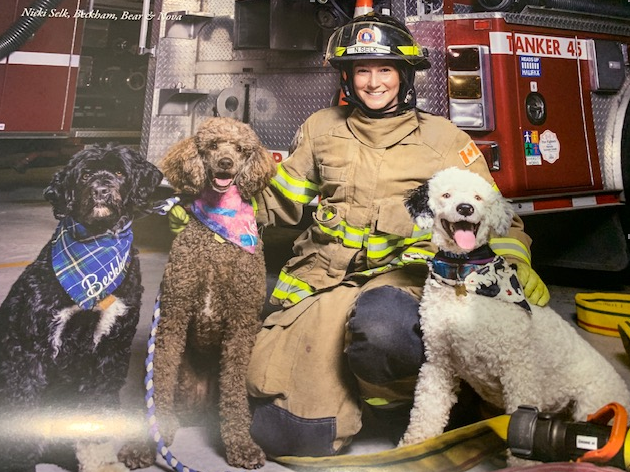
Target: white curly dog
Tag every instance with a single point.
(477, 324)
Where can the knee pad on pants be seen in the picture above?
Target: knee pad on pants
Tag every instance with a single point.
(386, 344)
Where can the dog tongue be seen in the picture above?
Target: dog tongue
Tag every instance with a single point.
(465, 239)
(223, 182)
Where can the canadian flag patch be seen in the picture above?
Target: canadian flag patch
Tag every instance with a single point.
(469, 153)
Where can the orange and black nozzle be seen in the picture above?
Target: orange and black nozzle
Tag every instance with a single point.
(548, 437)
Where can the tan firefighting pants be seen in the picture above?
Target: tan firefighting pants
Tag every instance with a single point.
(298, 360)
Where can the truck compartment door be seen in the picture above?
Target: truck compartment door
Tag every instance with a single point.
(554, 110)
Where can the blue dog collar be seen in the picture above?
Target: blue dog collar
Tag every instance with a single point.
(452, 266)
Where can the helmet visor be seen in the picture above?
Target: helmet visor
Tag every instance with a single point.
(373, 40)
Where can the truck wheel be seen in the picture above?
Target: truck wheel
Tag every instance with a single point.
(625, 174)
(625, 154)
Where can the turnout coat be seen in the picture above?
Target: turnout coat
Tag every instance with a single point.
(357, 170)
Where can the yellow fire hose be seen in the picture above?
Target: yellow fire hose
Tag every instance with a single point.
(454, 451)
(527, 433)
(602, 313)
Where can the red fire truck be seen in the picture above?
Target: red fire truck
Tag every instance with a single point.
(541, 86)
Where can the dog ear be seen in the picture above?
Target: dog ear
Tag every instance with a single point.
(183, 167)
(257, 172)
(417, 204)
(60, 191)
(58, 195)
(501, 215)
(146, 177)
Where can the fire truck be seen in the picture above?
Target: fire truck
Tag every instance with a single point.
(542, 86)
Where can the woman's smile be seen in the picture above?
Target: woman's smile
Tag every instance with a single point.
(376, 83)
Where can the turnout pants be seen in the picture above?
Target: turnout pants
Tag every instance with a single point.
(311, 363)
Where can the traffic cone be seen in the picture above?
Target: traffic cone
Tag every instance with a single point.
(363, 7)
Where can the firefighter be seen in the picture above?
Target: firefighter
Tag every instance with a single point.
(347, 334)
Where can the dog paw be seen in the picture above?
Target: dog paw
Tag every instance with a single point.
(408, 439)
(137, 455)
(95, 456)
(112, 467)
(249, 456)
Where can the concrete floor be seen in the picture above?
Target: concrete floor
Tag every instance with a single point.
(27, 224)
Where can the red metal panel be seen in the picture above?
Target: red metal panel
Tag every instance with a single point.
(8, 13)
(56, 34)
(563, 82)
(7, 16)
(37, 90)
(36, 105)
(572, 163)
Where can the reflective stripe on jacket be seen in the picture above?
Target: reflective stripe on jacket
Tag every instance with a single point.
(361, 168)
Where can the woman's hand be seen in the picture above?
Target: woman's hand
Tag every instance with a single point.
(178, 218)
(535, 289)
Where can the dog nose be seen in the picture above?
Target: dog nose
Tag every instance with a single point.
(226, 163)
(100, 192)
(465, 209)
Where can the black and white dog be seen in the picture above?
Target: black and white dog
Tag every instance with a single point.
(68, 321)
(477, 325)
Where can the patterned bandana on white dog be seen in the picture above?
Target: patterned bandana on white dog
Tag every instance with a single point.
(229, 216)
(481, 272)
(89, 268)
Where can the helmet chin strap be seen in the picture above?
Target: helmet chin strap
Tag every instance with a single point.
(392, 110)
(406, 101)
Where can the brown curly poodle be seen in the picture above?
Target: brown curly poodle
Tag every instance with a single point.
(213, 290)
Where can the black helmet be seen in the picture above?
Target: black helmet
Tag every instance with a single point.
(376, 36)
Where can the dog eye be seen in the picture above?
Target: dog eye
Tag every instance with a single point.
(478, 198)
(86, 175)
(119, 174)
(446, 195)
(239, 148)
(213, 145)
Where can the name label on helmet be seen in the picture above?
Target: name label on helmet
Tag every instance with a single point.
(360, 49)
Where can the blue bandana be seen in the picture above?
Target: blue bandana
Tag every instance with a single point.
(89, 268)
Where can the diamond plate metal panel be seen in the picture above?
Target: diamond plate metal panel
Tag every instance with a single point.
(608, 114)
(601, 108)
(172, 67)
(431, 84)
(283, 87)
(176, 60)
(165, 132)
(278, 103)
(215, 40)
(297, 96)
(408, 7)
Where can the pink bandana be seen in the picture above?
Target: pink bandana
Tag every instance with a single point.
(229, 216)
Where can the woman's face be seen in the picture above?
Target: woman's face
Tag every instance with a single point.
(376, 83)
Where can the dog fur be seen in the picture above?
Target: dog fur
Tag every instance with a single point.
(510, 356)
(212, 294)
(55, 355)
